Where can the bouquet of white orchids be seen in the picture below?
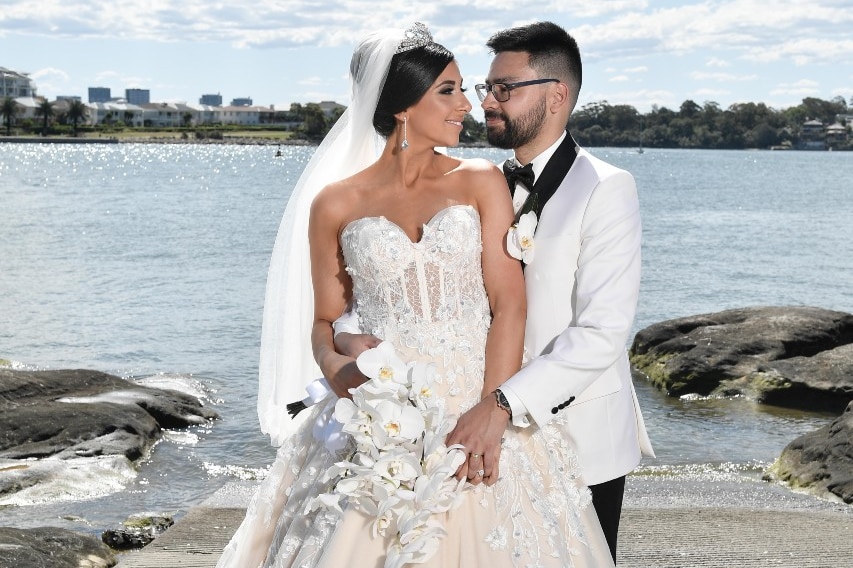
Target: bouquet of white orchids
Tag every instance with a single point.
(399, 471)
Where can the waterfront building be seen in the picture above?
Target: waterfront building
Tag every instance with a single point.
(14, 84)
(27, 107)
(137, 96)
(169, 114)
(242, 101)
(99, 95)
(812, 136)
(836, 134)
(242, 114)
(116, 112)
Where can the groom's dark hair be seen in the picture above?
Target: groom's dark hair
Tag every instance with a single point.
(553, 52)
(410, 75)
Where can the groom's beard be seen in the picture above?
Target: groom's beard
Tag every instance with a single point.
(518, 132)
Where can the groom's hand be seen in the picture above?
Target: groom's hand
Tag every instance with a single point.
(353, 344)
(340, 372)
(480, 431)
(345, 378)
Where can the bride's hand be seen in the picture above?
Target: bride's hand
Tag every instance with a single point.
(480, 431)
(353, 344)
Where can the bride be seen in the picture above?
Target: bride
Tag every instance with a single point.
(415, 240)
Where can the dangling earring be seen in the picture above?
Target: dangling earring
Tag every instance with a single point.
(405, 143)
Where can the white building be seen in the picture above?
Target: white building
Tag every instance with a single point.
(169, 114)
(246, 115)
(118, 112)
(27, 106)
(15, 85)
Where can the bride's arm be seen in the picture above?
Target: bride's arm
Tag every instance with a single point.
(504, 283)
(332, 291)
(480, 429)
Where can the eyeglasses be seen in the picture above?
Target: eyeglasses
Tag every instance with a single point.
(501, 90)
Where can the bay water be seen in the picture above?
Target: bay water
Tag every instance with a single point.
(149, 261)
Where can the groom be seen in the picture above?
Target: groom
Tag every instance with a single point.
(582, 281)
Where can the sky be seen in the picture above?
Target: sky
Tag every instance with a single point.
(642, 53)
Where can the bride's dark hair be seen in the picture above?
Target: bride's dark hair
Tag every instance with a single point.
(411, 73)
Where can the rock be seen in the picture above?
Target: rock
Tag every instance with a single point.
(51, 547)
(81, 413)
(820, 462)
(137, 530)
(800, 357)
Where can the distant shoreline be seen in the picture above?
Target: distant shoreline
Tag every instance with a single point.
(226, 139)
(153, 140)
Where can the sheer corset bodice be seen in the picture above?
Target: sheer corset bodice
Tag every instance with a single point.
(426, 297)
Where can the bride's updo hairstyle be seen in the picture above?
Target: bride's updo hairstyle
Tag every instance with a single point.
(410, 75)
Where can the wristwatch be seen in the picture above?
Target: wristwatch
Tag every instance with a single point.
(503, 403)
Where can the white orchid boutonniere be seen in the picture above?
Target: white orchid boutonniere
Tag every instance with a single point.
(400, 472)
(519, 238)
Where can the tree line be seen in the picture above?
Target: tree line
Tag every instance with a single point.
(740, 126)
(708, 126)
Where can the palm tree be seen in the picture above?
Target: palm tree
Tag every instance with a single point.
(77, 111)
(8, 110)
(46, 111)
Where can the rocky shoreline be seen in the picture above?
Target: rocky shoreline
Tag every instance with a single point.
(51, 418)
(796, 357)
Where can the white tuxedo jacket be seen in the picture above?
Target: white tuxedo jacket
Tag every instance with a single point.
(582, 289)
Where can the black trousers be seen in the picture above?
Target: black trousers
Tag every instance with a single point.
(607, 501)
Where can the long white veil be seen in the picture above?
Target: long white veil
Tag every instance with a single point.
(286, 361)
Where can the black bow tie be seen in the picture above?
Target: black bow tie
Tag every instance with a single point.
(514, 174)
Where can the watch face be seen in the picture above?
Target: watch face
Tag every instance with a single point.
(502, 400)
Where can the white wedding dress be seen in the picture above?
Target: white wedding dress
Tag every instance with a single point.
(428, 299)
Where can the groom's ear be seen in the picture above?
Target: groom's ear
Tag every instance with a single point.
(559, 99)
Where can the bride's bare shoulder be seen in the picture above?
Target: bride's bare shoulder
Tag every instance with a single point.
(335, 201)
(479, 175)
(478, 165)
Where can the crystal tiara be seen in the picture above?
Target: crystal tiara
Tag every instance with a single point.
(416, 36)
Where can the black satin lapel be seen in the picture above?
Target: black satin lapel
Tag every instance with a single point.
(555, 171)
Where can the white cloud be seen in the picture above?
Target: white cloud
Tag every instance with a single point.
(49, 73)
(312, 81)
(717, 62)
(803, 87)
(816, 50)
(710, 94)
(640, 98)
(703, 76)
